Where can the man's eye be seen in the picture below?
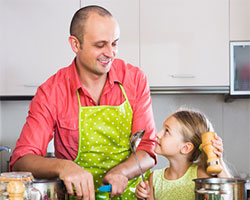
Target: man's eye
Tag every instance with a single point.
(114, 44)
(99, 46)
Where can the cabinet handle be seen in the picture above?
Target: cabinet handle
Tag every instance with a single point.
(182, 76)
(30, 85)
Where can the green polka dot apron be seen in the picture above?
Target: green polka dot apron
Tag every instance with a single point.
(104, 142)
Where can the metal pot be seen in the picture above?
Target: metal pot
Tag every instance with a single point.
(52, 189)
(220, 189)
(34, 189)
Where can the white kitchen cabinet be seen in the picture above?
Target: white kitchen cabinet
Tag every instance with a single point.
(34, 42)
(127, 15)
(240, 20)
(185, 43)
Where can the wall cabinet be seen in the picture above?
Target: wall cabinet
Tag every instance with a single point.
(127, 15)
(240, 20)
(175, 42)
(185, 43)
(34, 42)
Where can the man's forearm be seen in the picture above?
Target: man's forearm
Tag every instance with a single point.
(40, 167)
(130, 169)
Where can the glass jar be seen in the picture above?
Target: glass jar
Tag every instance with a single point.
(24, 177)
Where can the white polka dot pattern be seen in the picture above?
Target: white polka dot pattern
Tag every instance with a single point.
(104, 140)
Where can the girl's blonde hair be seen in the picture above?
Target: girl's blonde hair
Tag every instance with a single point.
(193, 124)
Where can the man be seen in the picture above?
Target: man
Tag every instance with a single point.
(91, 108)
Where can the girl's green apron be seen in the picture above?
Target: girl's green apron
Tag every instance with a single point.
(104, 142)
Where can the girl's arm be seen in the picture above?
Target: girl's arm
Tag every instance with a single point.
(201, 173)
(151, 193)
(225, 173)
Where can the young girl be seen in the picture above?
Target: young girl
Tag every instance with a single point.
(179, 142)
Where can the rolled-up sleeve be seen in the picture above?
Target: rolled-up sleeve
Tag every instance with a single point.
(37, 131)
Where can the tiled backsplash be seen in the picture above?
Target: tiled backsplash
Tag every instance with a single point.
(231, 121)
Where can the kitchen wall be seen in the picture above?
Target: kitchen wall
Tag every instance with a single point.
(231, 121)
(0, 132)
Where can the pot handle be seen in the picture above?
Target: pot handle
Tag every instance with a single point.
(203, 191)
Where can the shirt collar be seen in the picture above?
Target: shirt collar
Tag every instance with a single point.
(112, 75)
(76, 82)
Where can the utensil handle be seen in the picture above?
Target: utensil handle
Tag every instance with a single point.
(105, 188)
(139, 165)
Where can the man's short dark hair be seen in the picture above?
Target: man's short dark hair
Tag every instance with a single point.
(80, 17)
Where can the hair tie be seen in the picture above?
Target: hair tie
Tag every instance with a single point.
(200, 147)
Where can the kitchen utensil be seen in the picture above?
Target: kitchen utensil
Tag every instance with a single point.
(214, 167)
(220, 188)
(134, 142)
(105, 188)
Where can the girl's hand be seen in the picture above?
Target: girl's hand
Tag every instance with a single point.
(142, 190)
(217, 143)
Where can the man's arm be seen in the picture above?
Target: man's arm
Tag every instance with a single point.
(68, 171)
(119, 175)
(143, 119)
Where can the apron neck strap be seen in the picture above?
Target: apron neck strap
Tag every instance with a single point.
(78, 98)
(123, 91)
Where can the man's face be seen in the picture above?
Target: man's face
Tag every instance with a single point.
(99, 46)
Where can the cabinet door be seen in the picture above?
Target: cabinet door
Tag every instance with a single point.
(34, 42)
(127, 15)
(240, 20)
(185, 43)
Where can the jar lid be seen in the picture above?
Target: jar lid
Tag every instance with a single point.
(16, 176)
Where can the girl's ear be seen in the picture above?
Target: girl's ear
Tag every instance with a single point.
(74, 43)
(187, 148)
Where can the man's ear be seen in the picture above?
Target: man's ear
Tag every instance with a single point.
(74, 43)
(187, 148)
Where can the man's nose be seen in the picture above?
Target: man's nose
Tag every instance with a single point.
(110, 51)
(158, 135)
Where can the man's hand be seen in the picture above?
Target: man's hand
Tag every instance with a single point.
(74, 176)
(119, 175)
(118, 181)
(68, 171)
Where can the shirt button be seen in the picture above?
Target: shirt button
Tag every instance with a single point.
(91, 101)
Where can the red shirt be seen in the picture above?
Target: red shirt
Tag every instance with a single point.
(54, 110)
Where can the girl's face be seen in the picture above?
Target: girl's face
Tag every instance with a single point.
(169, 140)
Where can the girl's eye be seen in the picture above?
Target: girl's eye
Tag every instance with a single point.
(167, 132)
